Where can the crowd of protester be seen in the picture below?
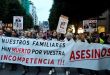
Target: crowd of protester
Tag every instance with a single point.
(94, 37)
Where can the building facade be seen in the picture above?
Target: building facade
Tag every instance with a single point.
(32, 11)
(104, 23)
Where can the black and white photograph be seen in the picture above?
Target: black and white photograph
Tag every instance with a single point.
(93, 25)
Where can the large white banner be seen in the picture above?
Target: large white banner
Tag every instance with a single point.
(18, 22)
(90, 25)
(62, 24)
(32, 52)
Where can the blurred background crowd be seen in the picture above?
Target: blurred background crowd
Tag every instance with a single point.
(94, 37)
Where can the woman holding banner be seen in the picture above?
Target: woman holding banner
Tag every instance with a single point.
(2, 65)
(55, 37)
(68, 38)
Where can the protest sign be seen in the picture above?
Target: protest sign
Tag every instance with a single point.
(62, 24)
(90, 25)
(18, 22)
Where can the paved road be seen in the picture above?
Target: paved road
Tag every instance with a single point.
(44, 71)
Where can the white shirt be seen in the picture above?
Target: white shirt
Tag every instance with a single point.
(71, 40)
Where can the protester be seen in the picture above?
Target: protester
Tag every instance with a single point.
(108, 39)
(2, 65)
(1, 32)
(54, 36)
(82, 38)
(68, 37)
(8, 32)
(14, 34)
(40, 35)
(21, 35)
(103, 38)
(28, 35)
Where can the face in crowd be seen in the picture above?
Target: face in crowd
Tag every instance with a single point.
(69, 36)
(14, 33)
(54, 34)
(58, 35)
(8, 30)
(40, 34)
(29, 34)
(96, 40)
(82, 36)
(77, 37)
(1, 32)
(25, 33)
(103, 34)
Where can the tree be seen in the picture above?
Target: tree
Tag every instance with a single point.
(28, 21)
(54, 16)
(9, 8)
(76, 10)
